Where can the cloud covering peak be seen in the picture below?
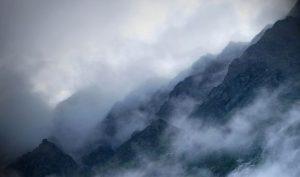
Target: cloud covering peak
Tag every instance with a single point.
(50, 50)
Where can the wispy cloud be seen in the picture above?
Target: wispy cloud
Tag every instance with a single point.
(53, 49)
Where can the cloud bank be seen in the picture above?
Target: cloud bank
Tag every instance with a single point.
(264, 130)
(50, 50)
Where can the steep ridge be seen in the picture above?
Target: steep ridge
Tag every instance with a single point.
(152, 143)
(98, 156)
(295, 12)
(271, 62)
(46, 159)
(134, 115)
(212, 73)
(206, 73)
(111, 132)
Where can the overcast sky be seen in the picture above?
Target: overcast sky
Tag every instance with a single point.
(50, 49)
(63, 46)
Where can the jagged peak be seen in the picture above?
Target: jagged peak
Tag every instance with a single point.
(46, 159)
(47, 144)
(46, 141)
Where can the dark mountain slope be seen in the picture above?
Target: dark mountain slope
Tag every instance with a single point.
(136, 116)
(122, 121)
(98, 156)
(46, 159)
(206, 73)
(150, 143)
(271, 62)
(295, 12)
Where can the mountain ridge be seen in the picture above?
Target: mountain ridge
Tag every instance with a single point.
(46, 159)
(262, 65)
(271, 61)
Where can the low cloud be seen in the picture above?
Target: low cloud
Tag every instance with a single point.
(51, 50)
(282, 150)
(263, 125)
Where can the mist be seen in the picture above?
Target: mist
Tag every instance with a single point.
(264, 128)
(97, 52)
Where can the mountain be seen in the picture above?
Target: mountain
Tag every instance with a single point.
(152, 143)
(86, 104)
(136, 133)
(269, 63)
(148, 141)
(206, 73)
(295, 12)
(135, 114)
(46, 159)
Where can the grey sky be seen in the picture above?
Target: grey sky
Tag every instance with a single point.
(65, 45)
(50, 49)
